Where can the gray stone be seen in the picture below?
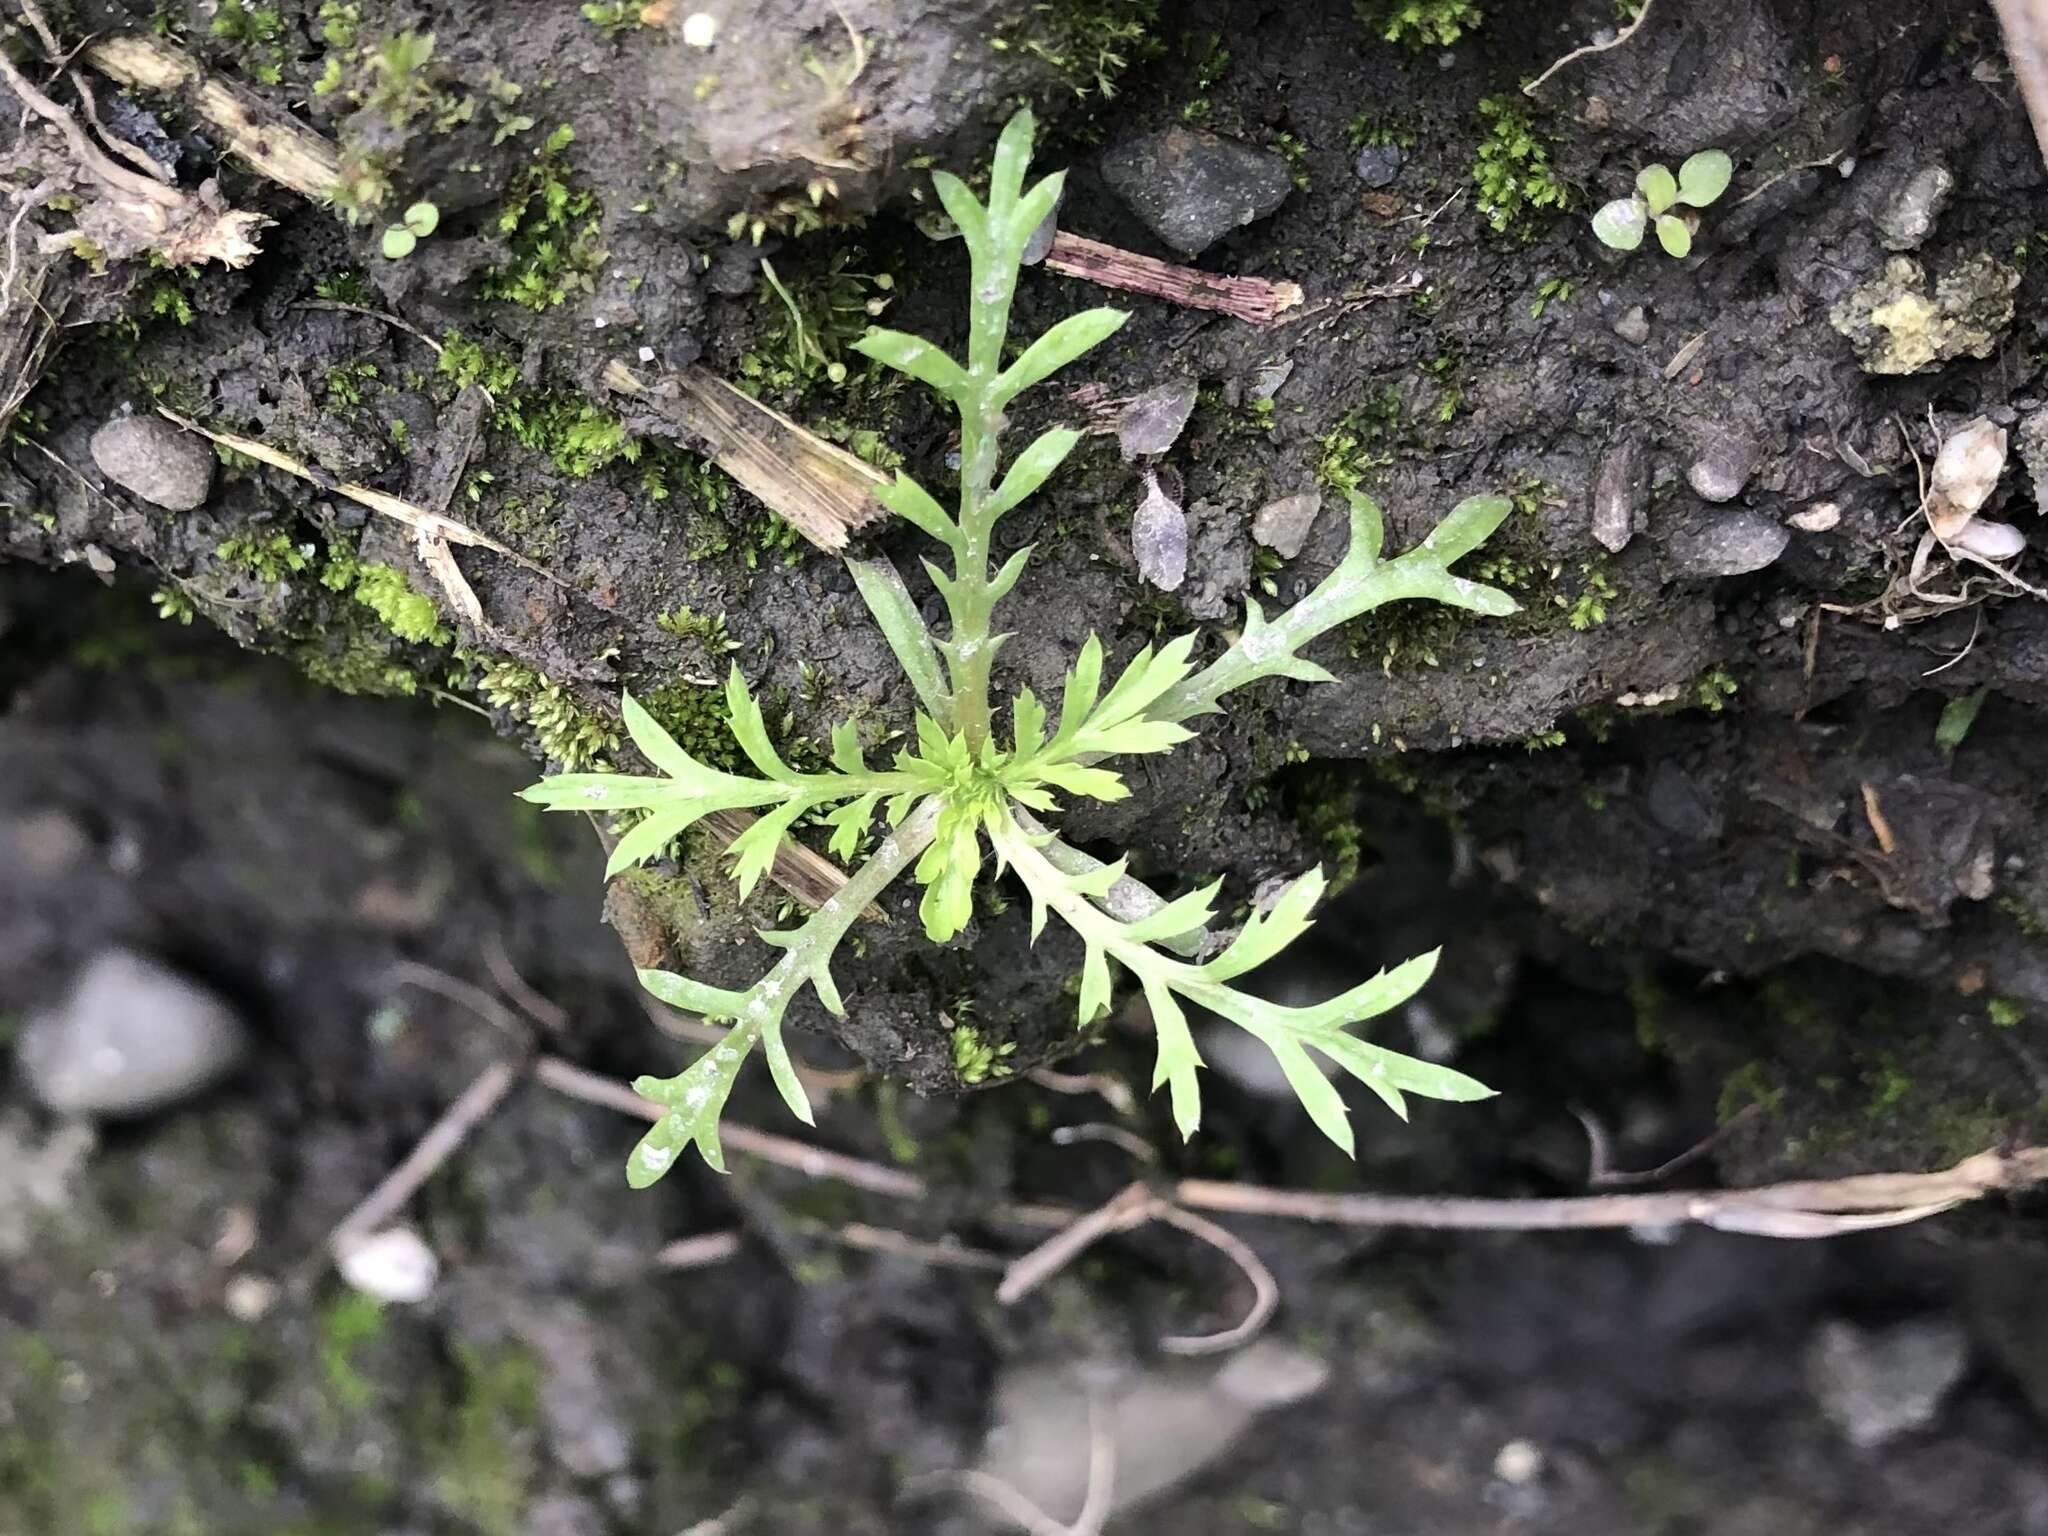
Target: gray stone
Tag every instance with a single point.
(1621, 493)
(1876, 1384)
(2032, 441)
(1166, 1423)
(1723, 467)
(1676, 803)
(1154, 420)
(1378, 164)
(1634, 326)
(132, 1037)
(1193, 188)
(1908, 218)
(1283, 526)
(1733, 545)
(162, 464)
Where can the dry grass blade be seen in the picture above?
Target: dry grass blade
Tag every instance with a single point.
(818, 488)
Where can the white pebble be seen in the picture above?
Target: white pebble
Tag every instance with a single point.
(700, 29)
(392, 1265)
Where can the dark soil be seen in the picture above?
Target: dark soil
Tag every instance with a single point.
(1769, 888)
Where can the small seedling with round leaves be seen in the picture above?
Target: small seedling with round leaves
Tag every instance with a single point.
(1699, 182)
(420, 221)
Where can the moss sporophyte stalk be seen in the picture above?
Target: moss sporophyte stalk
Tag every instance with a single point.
(976, 783)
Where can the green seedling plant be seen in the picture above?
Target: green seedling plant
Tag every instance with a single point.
(1699, 183)
(970, 791)
(418, 222)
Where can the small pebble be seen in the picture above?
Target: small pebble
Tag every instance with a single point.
(700, 29)
(1378, 164)
(1819, 517)
(392, 1265)
(1723, 467)
(1634, 326)
(1283, 526)
(164, 465)
(1518, 1462)
(131, 1037)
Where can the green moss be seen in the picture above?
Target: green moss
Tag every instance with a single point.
(2004, 1012)
(567, 733)
(1088, 43)
(257, 31)
(1712, 690)
(408, 614)
(342, 1329)
(699, 719)
(270, 557)
(554, 228)
(611, 17)
(976, 1058)
(1419, 24)
(485, 1455)
(1516, 181)
(1748, 1085)
(1324, 804)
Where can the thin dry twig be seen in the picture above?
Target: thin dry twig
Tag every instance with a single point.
(342, 306)
(944, 1253)
(55, 51)
(1265, 1289)
(550, 1015)
(1255, 300)
(1116, 1135)
(700, 1251)
(1799, 1209)
(443, 1139)
(783, 1151)
(465, 994)
(1132, 1206)
(1615, 41)
(1112, 1090)
(1602, 1174)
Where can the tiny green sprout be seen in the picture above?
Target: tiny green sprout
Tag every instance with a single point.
(1699, 182)
(960, 803)
(419, 221)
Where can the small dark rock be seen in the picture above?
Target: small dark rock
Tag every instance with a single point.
(165, 466)
(1723, 467)
(2033, 447)
(1732, 545)
(1378, 164)
(1283, 526)
(1621, 493)
(1678, 804)
(1191, 188)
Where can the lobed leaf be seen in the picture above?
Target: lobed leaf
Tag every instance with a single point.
(963, 208)
(1054, 350)
(753, 851)
(1030, 469)
(1266, 934)
(695, 1098)
(881, 587)
(751, 731)
(923, 361)
(914, 504)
